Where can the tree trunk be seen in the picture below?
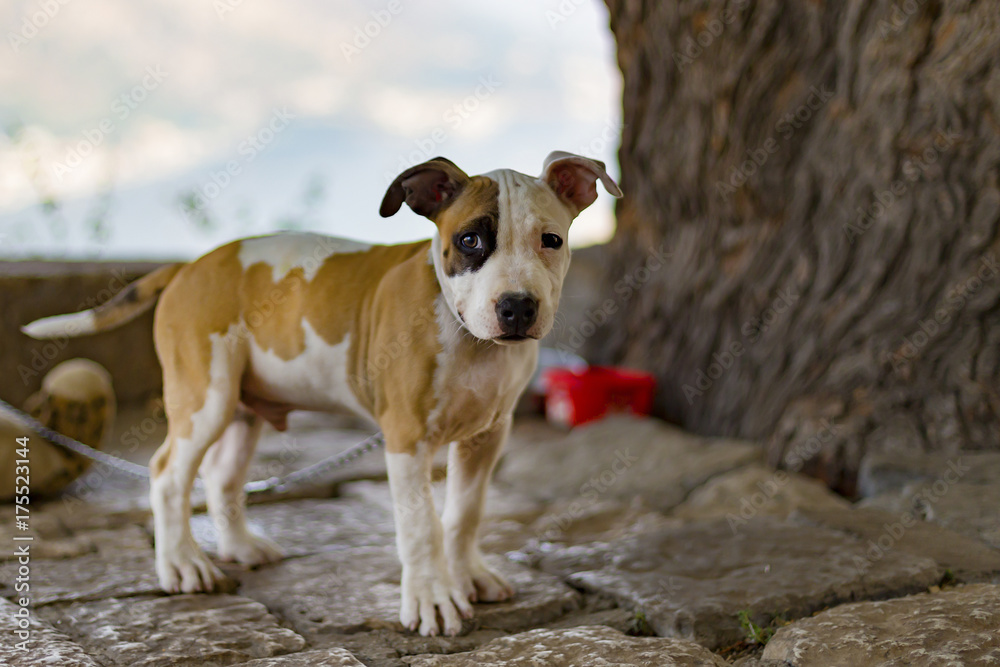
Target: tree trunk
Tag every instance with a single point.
(824, 178)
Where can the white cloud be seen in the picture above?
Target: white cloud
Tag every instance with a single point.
(559, 89)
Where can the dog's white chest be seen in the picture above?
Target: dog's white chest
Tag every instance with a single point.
(475, 385)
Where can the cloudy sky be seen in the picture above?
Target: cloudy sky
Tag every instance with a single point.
(161, 128)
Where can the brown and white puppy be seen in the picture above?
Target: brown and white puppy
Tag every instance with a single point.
(433, 340)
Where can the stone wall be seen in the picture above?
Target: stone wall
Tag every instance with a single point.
(30, 290)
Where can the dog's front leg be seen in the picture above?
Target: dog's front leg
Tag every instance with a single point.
(470, 466)
(427, 585)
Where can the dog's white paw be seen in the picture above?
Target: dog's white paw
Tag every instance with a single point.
(249, 549)
(427, 593)
(186, 569)
(479, 582)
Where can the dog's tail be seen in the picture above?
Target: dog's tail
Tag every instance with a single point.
(128, 304)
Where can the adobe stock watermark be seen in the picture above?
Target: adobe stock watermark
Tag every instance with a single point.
(691, 48)
(923, 504)
(34, 22)
(364, 34)
(928, 329)
(121, 109)
(899, 16)
(247, 150)
(562, 12)
(751, 330)
(912, 170)
(751, 505)
(224, 7)
(785, 127)
(554, 526)
(452, 118)
(610, 135)
(625, 288)
(146, 428)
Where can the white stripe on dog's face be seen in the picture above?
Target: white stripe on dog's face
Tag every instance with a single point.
(517, 219)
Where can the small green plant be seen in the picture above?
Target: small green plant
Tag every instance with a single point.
(756, 634)
(639, 626)
(948, 578)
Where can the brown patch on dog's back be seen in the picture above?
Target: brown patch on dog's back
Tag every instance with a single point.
(339, 296)
(272, 311)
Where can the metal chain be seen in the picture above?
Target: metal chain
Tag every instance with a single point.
(312, 472)
(275, 484)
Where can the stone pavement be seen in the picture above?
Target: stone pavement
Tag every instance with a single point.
(630, 543)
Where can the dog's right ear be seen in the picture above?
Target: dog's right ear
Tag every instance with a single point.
(426, 188)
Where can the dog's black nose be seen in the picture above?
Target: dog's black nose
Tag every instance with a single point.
(516, 313)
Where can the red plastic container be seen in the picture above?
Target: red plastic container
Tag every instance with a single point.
(574, 398)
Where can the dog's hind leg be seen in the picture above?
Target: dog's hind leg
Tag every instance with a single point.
(224, 472)
(200, 392)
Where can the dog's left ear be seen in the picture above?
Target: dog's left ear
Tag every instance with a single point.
(574, 179)
(426, 188)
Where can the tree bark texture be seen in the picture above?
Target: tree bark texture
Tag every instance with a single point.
(824, 178)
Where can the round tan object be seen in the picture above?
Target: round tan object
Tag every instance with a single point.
(77, 400)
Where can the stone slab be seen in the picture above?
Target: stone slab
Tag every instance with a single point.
(303, 527)
(334, 592)
(882, 472)
(128, 539)
(331, 657)
(385, 647)
(691, 582)
(351, 590)
(952, 627)
(574, 521)
(89, 577)
(52, 538)
(967, 558)
(756, 490)
(618, 457)
(45, 647)
(513, 520)
(969, 508)
(576, 647)
(195, 630)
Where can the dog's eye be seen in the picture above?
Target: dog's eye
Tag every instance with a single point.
(471, 241)
(551, 241)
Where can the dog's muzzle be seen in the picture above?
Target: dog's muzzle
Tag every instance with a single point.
(516, 314)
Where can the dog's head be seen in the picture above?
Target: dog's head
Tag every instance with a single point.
(501, 252)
